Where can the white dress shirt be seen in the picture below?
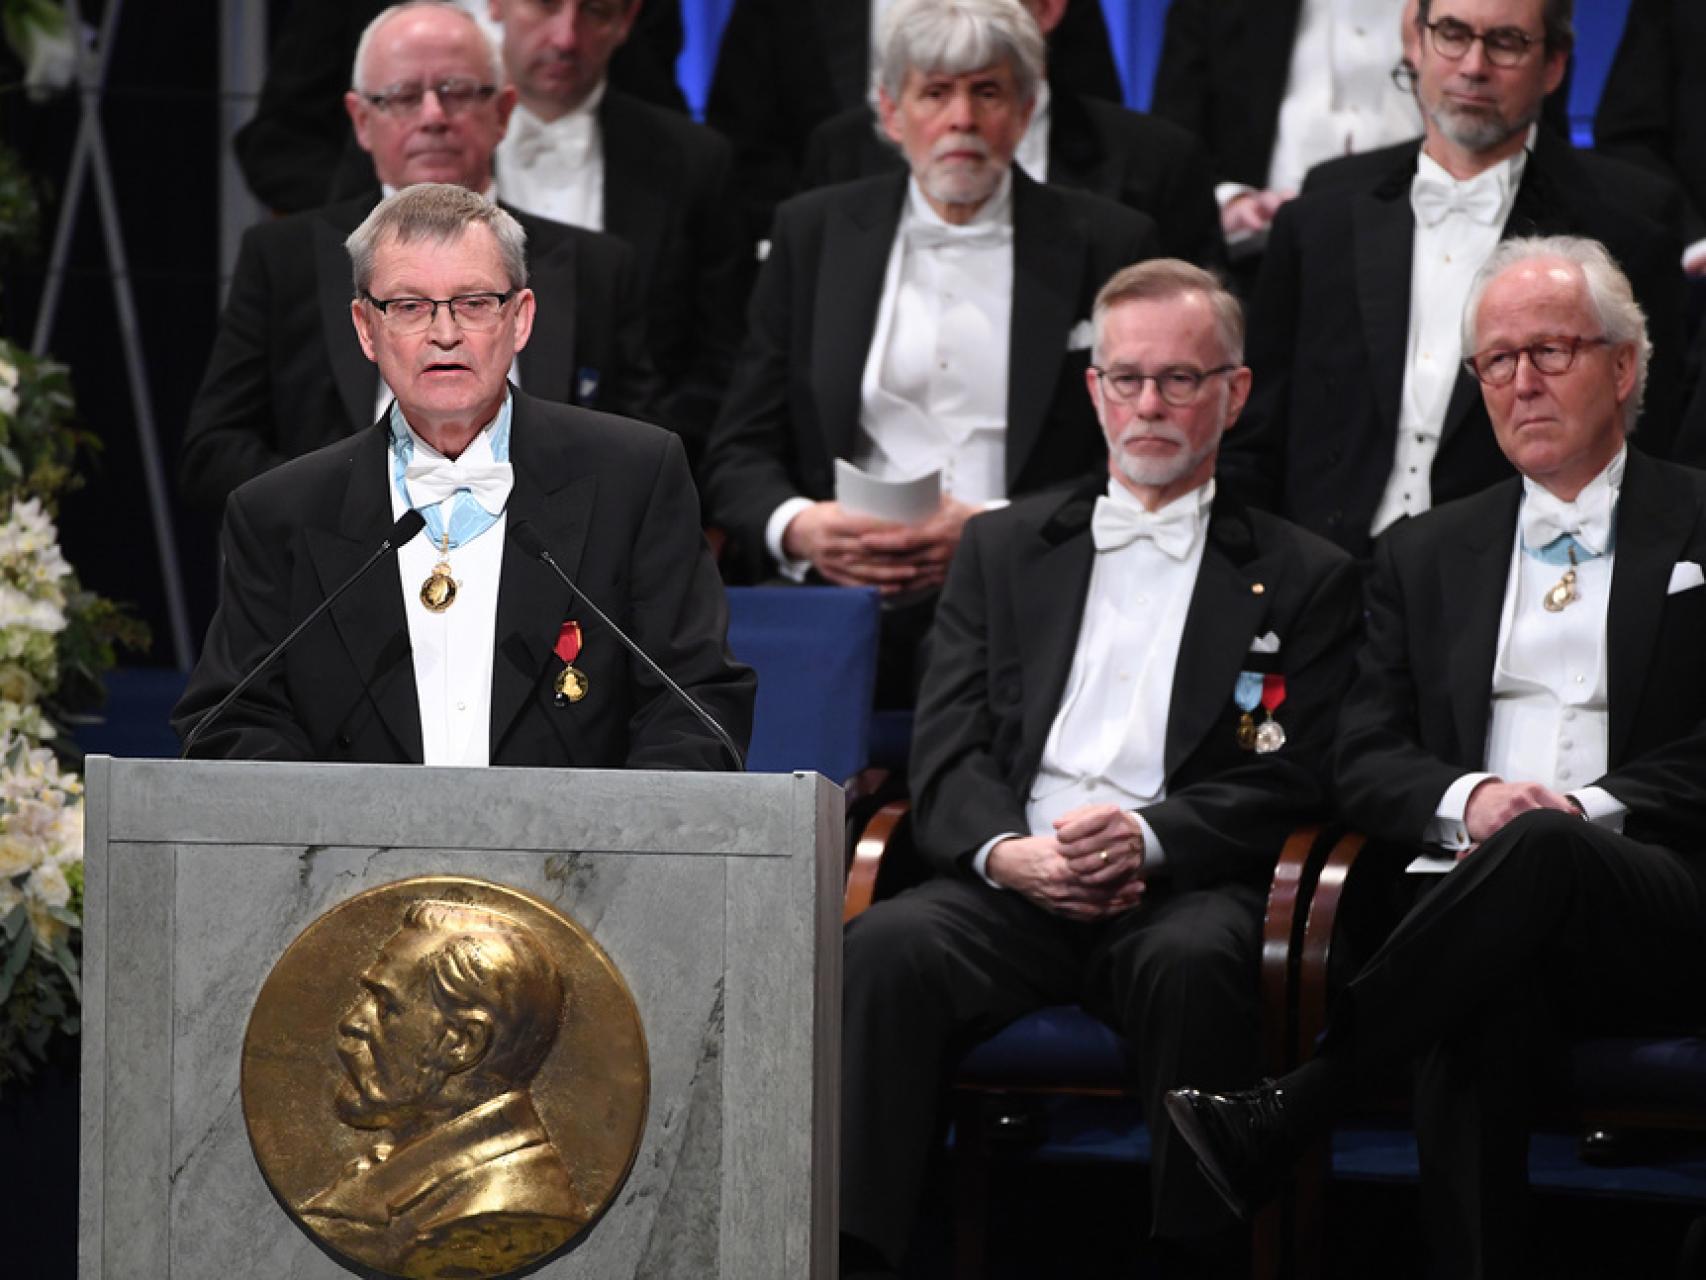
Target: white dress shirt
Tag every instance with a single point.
(1108, 742)
(1339, 94)
(1458, 225)
(934, 392)
(555, 169)
(452, 650)
(1549, 719)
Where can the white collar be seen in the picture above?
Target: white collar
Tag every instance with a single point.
(1610, 477)
(1507, 173)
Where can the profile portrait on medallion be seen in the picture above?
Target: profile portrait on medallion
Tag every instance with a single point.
(454, 1028)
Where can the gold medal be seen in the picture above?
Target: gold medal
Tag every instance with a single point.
(1269, 737)
(438, 592)
(1563, 592)
(571, 683)
(1246, 732)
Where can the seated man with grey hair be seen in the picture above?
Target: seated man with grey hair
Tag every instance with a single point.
(925, 323)
(1127, 707)
(464, 647)
(1531, 701)
(429, 104)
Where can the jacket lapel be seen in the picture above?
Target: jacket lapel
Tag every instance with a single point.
(1383, 231)
(636, 205)
(547, 363)
(1471, 599)
(369, 619)
(1224, 612)
(1051, 574)
(1048, 263)
(533, 603)
(857, 242)
(355, 376)
(1654, 519)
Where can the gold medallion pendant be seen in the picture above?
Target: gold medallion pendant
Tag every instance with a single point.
(445, 1077)
(1562, 592)
(438, 592)
(571, 683)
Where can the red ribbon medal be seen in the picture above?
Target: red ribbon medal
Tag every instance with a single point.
(1270, 736)
(571, 680)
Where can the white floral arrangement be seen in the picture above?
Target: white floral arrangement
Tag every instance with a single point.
(41, 902)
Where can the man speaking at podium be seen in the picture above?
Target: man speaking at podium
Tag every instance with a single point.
(466, 647)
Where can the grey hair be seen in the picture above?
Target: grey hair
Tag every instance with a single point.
(490, 963)
(493, 55)
(1160, 279)
(955, 37)
(1557, 20)
(1609, 295)
(439, 212)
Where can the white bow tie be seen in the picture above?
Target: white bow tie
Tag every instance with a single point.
(432, 480)
(1173, 529)
(1546, 518)
(979, 235)
(1479, 198)
(533, 142)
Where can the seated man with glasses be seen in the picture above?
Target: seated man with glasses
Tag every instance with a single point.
(1362, 414)
(1531, 701)
(1129, 697)
(463, 648)
(286, 375)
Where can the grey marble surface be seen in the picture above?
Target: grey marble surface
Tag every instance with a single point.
(704, 891)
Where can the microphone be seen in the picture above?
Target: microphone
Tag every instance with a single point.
(532, 544)
(408, 525)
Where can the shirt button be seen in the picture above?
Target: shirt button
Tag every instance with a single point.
(1581, 679)
(1569, 715)
(461, 706)
(1566, 744)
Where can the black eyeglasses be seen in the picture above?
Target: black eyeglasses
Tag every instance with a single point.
(455, 95)
(1178, 387)
(1504, 46)
(1550, 356)
(472, 311)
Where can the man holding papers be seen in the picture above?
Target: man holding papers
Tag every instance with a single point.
(915, 324)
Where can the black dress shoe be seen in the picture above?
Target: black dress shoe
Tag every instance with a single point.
(1243, 1142)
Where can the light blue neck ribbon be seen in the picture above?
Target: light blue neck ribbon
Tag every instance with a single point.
(1558, 550)
(468, 519)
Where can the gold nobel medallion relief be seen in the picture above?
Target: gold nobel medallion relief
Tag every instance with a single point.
(445, 1077)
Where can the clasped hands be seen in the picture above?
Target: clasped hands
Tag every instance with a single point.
(853, 550)
(1091, 868)
(1494, 802)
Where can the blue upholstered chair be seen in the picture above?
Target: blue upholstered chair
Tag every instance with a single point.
(815, 651)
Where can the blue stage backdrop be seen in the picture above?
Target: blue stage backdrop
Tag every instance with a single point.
(1136, 27)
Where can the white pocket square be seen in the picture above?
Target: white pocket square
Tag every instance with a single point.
(1685, 575)
(1265, 644)
(1080, 338)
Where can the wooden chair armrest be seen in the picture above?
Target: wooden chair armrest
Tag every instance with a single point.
(1288, 896)
(868, 853)
(1317, 946)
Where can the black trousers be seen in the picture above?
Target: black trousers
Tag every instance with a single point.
(929, 974)
(1551, 929)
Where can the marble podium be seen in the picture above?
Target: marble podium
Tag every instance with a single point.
(716, 895)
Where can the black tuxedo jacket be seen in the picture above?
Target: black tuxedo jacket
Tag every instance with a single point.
(1417, 714)
(1653, 107)
(786, 66)
(613, 501)
(1002, 649)
(1329, 328)
(1147, 164)
(287, 373)
(667, 194)
(793, 404)
(298, 151)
